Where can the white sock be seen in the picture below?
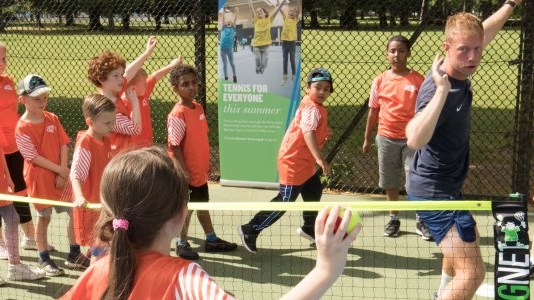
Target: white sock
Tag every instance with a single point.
(445, 279)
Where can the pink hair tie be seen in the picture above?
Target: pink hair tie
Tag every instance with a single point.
(120, 224)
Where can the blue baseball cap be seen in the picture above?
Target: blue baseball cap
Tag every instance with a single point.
(320, 74)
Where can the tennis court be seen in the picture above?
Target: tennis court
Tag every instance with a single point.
(406, 267)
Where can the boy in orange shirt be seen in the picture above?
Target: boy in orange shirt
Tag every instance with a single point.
(391, 106)
(110, 74)
(143, 86)
(91, 155)
(188, 145)
(42, 142)
(298, 157)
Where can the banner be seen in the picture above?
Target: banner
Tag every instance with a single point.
(258, 86)
(512, 258)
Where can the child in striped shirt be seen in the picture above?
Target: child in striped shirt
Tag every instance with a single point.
(91, 155)
(110, 74)
(42, 141)
(144, 205)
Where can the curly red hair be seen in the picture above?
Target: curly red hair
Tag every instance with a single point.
(100, 66)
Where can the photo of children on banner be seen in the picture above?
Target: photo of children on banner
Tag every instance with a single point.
(272, 30)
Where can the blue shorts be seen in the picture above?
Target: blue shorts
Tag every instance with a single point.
(439, 222)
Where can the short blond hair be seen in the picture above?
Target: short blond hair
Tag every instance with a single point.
(3, 46)
(463, 23)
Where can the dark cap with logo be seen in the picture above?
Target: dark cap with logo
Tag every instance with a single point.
(320, 74)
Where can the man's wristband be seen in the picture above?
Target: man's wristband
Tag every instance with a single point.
(511, 3)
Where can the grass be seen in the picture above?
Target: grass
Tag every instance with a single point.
(354, 57)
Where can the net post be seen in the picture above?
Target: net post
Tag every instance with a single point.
(511, 240)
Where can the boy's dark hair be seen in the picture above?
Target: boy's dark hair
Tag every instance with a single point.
(400, 39)
(145, 188)
(265, 11)
(95, 104)
(320, 74)
(100, 66)
(180, 71)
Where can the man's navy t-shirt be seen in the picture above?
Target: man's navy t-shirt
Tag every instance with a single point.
(439, 168)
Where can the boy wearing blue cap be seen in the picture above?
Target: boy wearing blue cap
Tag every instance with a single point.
(298, 158)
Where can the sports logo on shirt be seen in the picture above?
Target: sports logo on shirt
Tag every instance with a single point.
(8, 87)
(51, 128)
(410, 88)
(202, 117)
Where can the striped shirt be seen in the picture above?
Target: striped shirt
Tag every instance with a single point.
(158, 276)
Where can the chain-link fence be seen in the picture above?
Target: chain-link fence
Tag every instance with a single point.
(56, 38)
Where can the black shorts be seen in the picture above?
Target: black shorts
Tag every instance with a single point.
(199, 193)
(15, 164)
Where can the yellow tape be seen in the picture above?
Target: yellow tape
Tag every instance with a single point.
(299, 206)
(15, 198)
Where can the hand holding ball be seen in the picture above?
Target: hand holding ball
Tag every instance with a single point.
(355, 219)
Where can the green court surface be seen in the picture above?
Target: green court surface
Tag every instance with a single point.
(378, 267)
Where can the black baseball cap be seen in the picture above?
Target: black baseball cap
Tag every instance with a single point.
(320, 74)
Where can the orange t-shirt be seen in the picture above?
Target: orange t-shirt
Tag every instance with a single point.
(145, 138)
(188, 128)
(89, 160)
(157, 277)
(395, 96)
(44, 139)
(3, 182)
(296, 163)
(8, 112)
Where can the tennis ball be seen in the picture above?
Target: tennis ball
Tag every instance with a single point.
(355, 219)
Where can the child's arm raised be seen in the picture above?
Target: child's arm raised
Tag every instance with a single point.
(236, 11)
(252, 9)
(167, 69)
(277, 9)
(135, 116)
(134, 66)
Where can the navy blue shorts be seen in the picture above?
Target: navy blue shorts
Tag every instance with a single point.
(439, 222)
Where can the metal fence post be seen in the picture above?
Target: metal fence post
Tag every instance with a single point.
(200, 48)
(523, 140)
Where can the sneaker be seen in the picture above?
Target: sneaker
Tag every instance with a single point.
(50, 268)
(185, 252)
(392, 228)
(23, 272)
(284, 80)
(77, 261)
(234, 79)
(3, 252)
(248, 237)
(422, 230)
(219, 245)
(30, 244)
(307, 235)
